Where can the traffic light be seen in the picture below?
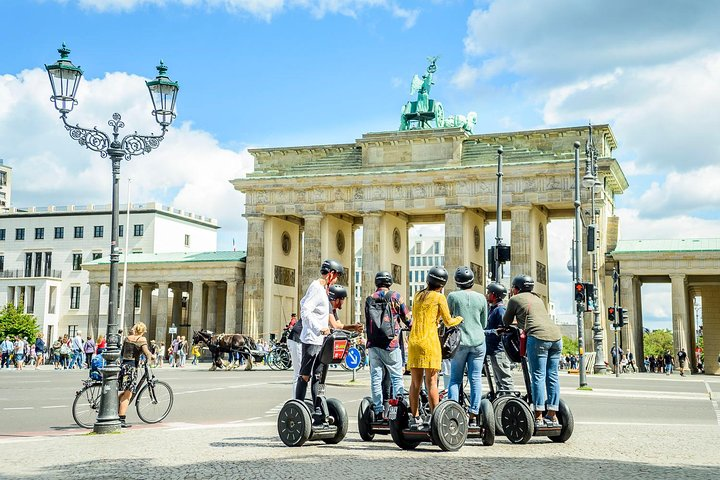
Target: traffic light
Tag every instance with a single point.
(591, 234)
(611, 314)
(492, 266)
(622, 317)
(589, 297)
(579, 292)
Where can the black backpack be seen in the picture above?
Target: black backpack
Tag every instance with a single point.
(379, 321)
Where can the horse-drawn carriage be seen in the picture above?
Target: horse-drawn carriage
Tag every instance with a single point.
(230, 343)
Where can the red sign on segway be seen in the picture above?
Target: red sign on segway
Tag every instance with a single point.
(339, 348)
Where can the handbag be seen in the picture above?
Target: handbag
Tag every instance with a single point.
(450, 338)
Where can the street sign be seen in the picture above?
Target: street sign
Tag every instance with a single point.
(172, 330)
(353, 358)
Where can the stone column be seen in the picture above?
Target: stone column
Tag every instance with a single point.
(211, 307)
(231, 307)
(312, 253)
(146, 307)
(633, 332)
(253, 309)
(454, 257)
(196, 302)
(93, 311)
(161, 318)
(370, 252)
(680, 320)
(711, 328)
(129, 319)
(176, 316)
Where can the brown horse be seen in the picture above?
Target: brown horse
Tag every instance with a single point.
(226, 343)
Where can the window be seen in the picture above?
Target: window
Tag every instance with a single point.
(39, 233)
(71, 330)
(187, 240)
(2, 234)
(19, 234)
(2, 263)
(138, 230)
(77, 261)
(422, 276)
(28, 264)
(51, 300)
(412, 261)
(436, 248)
(96, 255)
(30, 300)
(120, 230)
(59, 232)
(98, 231)
(136, 297)
(38, 264)
(48, 264)
(74, 298)
(3, 179)
(78, 233)
(418, 248)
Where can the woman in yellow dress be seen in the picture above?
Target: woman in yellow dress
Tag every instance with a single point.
(424, 351)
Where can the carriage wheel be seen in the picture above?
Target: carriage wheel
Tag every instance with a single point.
(294, 423)
(517, 421)
(439, 115)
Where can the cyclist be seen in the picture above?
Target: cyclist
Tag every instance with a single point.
(472, 307)
(544, 346)
(496, 293)
(385, 357)
(424, 351)
(133, 346)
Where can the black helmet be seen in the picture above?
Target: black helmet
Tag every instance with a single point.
(464, 278)
(337, 292)
(511, 343)
(524, 283)
(498, 289)
(437, 277)
(331, 266)
(383, 279)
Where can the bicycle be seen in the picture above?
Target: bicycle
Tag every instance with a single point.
(153, 400)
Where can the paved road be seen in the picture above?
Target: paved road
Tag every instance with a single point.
(223, 425)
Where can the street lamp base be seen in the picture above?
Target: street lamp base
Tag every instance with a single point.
(107, 427)
(600, 369)
(108, 420)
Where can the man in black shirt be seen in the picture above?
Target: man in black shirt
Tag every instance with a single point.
(682, 358)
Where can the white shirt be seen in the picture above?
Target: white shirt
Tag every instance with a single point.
(314, 311)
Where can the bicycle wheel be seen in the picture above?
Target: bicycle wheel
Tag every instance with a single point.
(86, 405)
(154, 401)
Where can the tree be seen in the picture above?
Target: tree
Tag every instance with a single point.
(570, 346)
(657, 342)
(13, 321)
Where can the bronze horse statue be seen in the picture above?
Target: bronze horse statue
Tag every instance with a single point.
(226, 343)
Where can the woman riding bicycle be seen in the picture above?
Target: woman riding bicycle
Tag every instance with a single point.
(134, 345)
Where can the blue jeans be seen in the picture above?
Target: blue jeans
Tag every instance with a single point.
(473, 357)
(392, 361)
(76, 359)
(544, 357)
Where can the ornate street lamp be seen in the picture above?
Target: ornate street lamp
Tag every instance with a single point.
(64, 78)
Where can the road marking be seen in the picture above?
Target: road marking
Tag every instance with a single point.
(56, 406)
(600, 392)
(709, 390)
(19, 408)
(717, 411)
(647, 424)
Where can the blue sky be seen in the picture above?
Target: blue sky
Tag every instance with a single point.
(259, 73)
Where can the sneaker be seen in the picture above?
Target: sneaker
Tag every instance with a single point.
(473, 422)
(539, 423)
(124, 424)
(415, 423)
(549, 422)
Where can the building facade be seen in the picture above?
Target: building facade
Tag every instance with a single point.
(5, 186)
(42, 250)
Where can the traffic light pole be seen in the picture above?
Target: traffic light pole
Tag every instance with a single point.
(579, 306)
(616, 323)
(498, 235)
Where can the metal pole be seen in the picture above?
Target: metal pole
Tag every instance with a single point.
(616, 332)
(498, 235)
(597, 325)
(578, 267)
(108, 420)
(124, 292)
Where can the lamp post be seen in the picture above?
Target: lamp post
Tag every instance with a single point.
(498, 229)
(590, 181)
(579, 307)
(64, 79)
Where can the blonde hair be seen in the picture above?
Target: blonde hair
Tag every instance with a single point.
(139, 328)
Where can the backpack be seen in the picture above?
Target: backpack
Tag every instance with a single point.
(379, 320)
(96, 364)
(450, 338)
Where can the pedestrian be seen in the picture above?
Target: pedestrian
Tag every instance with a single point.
(646, 364)
(32, 356)
(19, 352)
(544, 347)
(471, 306)
(668, 360)
(615, 353)
(182, 351)
(160, 355)
(101, 344)
(6, 347)
(383, 340)
(39, 351)
(631, 361)
(77, 350)
(65, 352)
(133, 346)
(682, 359)
(195, 354)
(499, 362)
(651, 362)
(424, 351)
(55, 352)
(89, 350)
(295, 347)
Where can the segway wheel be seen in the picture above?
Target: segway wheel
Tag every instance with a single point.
(565, 417)
(449, 425)
(399, 424)
(294, 423)
(339, 414)
(498, 405)
(517, 421)
(365, 416)
(488, 422)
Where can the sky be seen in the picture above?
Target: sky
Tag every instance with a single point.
(263, 73)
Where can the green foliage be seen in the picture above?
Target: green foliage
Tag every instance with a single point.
(14, 322)
(700, 342)
(658, 342)
(570, 346)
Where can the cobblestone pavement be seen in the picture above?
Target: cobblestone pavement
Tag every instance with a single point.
(253, 450)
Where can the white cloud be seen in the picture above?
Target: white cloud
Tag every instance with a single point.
(635, 226)
(189, 170)
(683, 192)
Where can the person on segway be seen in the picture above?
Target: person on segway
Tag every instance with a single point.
(544, 346)
(424, 351)
(471, 306)
(499, 362)
(384, 310)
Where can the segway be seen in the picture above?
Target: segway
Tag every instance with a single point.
(485, 428)
(448, 426)
(517, 419)
(369, 424)
(295, 422)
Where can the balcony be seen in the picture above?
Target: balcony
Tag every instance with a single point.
(22, 274)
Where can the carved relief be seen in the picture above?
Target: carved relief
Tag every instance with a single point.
(553, 183)
(339, 195)
(419, 191)
(484, 187)
(358, 195)
(317, 195)
(397, 241)
(476, 238)
(541, 236)
(286, 243)
(378, 193)
(301, 197)
(396, 273)
(262, 198)
(530, 184)
(284, 276)
(340, 241)
(541, 271)
(478, 272)
(440, 189)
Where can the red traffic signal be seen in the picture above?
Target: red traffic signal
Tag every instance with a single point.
(611, 314)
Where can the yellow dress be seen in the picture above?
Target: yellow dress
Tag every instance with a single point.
(429, 307)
